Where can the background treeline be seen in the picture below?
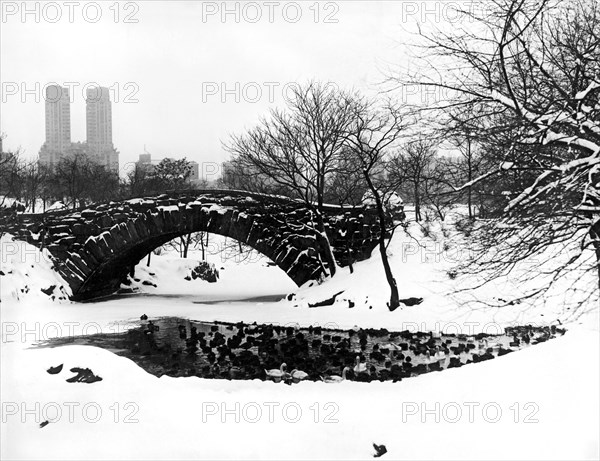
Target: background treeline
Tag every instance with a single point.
(78, 181)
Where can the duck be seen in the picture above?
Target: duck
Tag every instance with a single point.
(298, 375)
(439, 354)
(333, 379)
(391, 346)
(359, 367)
(277, 375)
(234, 372)
(494, 345)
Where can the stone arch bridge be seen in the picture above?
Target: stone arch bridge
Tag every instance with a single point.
(96, 247)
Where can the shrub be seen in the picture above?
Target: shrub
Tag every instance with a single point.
(464, 226)
(205, 271)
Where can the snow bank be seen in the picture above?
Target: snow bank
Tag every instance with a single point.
(506, 408)
(26, 273)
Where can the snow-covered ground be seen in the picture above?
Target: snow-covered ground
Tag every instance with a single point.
(538, 403)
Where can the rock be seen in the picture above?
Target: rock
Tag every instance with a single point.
(326, 302)
(55, 370)
(411, 301)
(48, 291)
(380, 450)
(205, 271)
(84, 375)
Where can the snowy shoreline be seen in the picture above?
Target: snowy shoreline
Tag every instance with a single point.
(538, 403)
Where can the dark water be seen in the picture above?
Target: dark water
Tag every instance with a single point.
(180, 347)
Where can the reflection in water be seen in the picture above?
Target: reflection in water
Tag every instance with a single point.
(198, 299)
(180, 347)
(256, 299)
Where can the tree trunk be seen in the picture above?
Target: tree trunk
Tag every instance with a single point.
(482, 212)
(349, 253)
(470, 178)
(417, 203)
(202, 246)
(394, 296)
(595, 235)
(469, 203)
(186, 245)
(148, 262)
(325, 243)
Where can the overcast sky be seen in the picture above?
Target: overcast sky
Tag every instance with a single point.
(165, 68)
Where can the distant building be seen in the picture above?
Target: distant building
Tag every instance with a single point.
(146, 163)
(98, 126)
(145, 159)
(79, 149)
(58, 125)
(98, 146)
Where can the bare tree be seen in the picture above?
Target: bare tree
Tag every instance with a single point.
(438, 193)
(78, 180)
(346, 185)
(10, 185)
(138, 180)
(467, 168)
(300, 147)
(35, 178)
(527, 73)
(411, 165)
(374, 132)
(11, 176)
(239, 175)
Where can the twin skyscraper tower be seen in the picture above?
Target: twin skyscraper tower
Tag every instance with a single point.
(98, 146)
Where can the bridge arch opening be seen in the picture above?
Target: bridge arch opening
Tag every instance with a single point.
(218, 270)
(298, 256)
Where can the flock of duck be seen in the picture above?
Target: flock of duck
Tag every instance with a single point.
(178, 347)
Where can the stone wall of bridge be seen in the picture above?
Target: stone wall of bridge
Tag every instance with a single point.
(95, 248)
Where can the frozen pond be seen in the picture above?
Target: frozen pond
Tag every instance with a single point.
(179, 347)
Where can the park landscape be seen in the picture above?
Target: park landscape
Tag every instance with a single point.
(369, 276)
